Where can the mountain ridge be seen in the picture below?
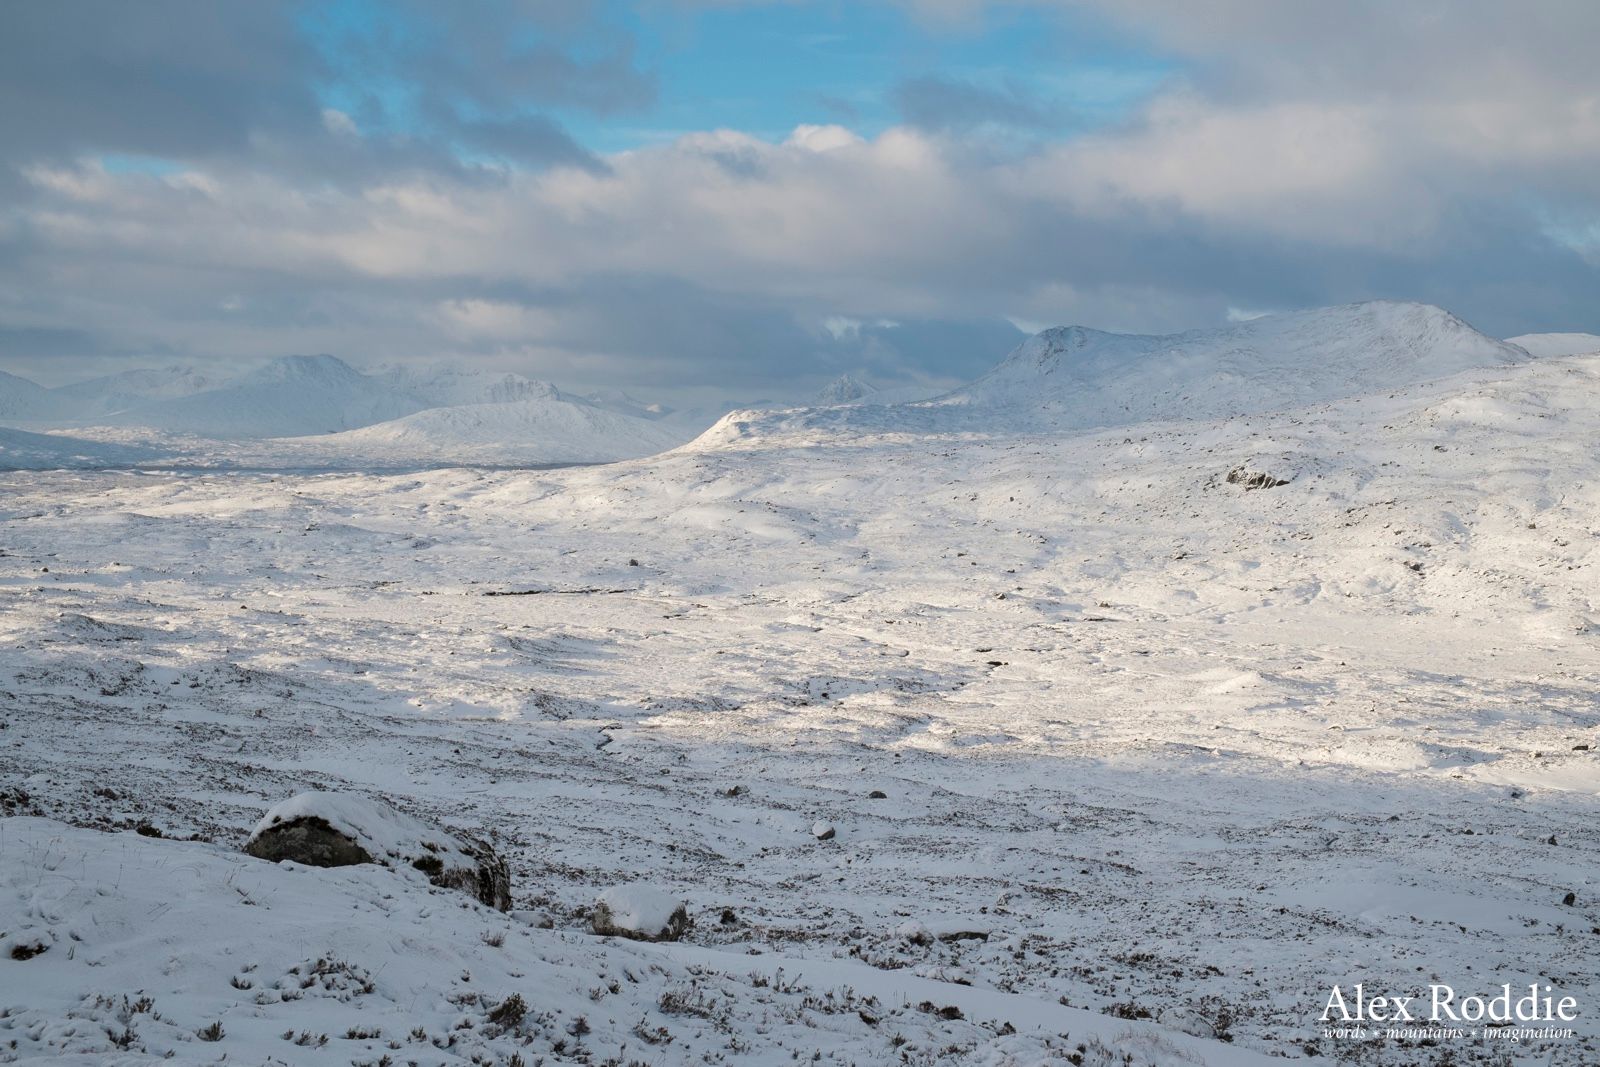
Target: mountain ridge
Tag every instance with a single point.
(1075, 378)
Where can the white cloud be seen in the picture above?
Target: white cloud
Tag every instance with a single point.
(1308, 154)
(823, 138)
(337, 122)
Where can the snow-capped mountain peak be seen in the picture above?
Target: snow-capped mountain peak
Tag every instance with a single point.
(319, 369)
(1079, 377)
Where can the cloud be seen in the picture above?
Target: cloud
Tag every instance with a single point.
(426, 201)
(317, 90)
(530, 140)
(164, 78)
(705, 258)
(938, 103)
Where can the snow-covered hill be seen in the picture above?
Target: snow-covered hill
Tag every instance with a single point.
(843, 390)
(21, 450)
(289, 396)
(447, 384)
(1062, 380)
(1557, 344)
(319, 411)
(545, 429)
(1074, 378)
(115, 393)
(24, 401)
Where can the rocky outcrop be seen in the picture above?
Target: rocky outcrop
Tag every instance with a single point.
(342, 829)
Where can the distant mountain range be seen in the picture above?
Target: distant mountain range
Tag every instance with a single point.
(325, 411)
(1073, 378)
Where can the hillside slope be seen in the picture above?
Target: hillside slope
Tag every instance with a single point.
(447, 384)
(114, 393)
(1073, 378)
(544, 429)
(22, 450)
(1103, 722)
(290, 396)
(24, 401)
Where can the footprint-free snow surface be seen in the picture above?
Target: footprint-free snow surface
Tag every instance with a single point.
(1134, 741)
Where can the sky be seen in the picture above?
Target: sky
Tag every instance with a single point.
(734, 199)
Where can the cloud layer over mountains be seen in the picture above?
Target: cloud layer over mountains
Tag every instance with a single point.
(253, 180)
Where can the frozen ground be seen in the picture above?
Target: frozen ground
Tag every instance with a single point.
(1162, 756)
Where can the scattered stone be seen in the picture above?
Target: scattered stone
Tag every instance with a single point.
(822, 830)
(640, 913)
(877, 794)
(1246, 478)
(25, 948)
(342, 829)
(1570, 899)
(949, 1012)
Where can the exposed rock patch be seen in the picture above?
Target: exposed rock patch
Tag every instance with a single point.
(1246, 477)
(343, 829)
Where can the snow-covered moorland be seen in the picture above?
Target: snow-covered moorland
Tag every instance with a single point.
(1135, 735)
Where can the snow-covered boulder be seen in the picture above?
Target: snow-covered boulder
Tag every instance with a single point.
(640, 912)
(340, 829)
